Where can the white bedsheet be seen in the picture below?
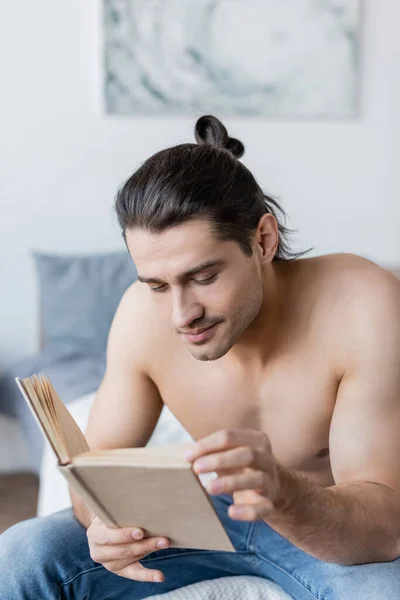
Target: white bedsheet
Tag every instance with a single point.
(243, 587)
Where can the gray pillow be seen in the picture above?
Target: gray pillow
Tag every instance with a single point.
(79, 295)
(72, 374)
(78, 299)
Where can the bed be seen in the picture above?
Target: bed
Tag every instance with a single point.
(79, 296)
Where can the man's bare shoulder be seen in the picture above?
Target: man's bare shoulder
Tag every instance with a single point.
(135, 301)
(369, 293)
(137, 328)
(348, 276)
(354, 300)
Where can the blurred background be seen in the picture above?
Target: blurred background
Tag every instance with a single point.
(89, 90)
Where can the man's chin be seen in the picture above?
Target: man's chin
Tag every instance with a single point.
(208, 351)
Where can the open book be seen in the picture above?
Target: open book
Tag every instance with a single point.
(154, 488)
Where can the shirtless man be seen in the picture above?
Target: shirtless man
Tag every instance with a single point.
(285, 372)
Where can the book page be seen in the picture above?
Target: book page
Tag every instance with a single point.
(57, 423)
(164, 455)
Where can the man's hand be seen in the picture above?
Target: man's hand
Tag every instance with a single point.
(117, 550)
(246, 468)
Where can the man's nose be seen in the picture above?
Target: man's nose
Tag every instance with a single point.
(185, 310)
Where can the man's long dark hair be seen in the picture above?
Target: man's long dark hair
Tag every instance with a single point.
(200, 181)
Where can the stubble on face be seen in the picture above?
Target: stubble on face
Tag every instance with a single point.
(233, 300)
(229, 331)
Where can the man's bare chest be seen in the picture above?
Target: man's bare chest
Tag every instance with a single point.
(293, 403)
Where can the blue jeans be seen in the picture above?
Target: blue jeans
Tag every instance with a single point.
(48, 558)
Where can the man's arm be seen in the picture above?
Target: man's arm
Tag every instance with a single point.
(358, 519)
(127, 404)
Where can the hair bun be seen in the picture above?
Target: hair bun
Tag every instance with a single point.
(210, 131)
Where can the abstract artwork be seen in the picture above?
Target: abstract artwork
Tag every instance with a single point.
(271, 58)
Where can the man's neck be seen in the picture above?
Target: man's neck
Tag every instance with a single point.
(257, 344)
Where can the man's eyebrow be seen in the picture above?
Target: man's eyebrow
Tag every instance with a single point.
(205, 265)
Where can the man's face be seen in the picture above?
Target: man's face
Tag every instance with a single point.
(208, 290)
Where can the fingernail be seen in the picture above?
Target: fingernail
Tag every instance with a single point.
(189, 455)
(238, 511)
(162, 544)
(214, 487)
(200, 465)
(137, 534)
(157, 578)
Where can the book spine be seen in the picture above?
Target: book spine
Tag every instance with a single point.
(75, 480)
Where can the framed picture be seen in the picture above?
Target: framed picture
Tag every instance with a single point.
(270, 58)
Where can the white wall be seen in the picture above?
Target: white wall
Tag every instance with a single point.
(61, 159)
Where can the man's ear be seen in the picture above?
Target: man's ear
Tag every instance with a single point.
(267, 238)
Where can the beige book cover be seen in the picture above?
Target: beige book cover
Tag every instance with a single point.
(154, 488)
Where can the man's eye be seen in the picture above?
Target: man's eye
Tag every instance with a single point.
(208, 280)
(159, 288)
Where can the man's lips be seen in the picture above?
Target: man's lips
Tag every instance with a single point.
(200, 335)
(197, 331)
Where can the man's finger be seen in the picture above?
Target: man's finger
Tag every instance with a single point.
(250, 512)
(118, 535)
(237, 458)
(226, 439)
(138, 572)
(252, 480)
(130, 552)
